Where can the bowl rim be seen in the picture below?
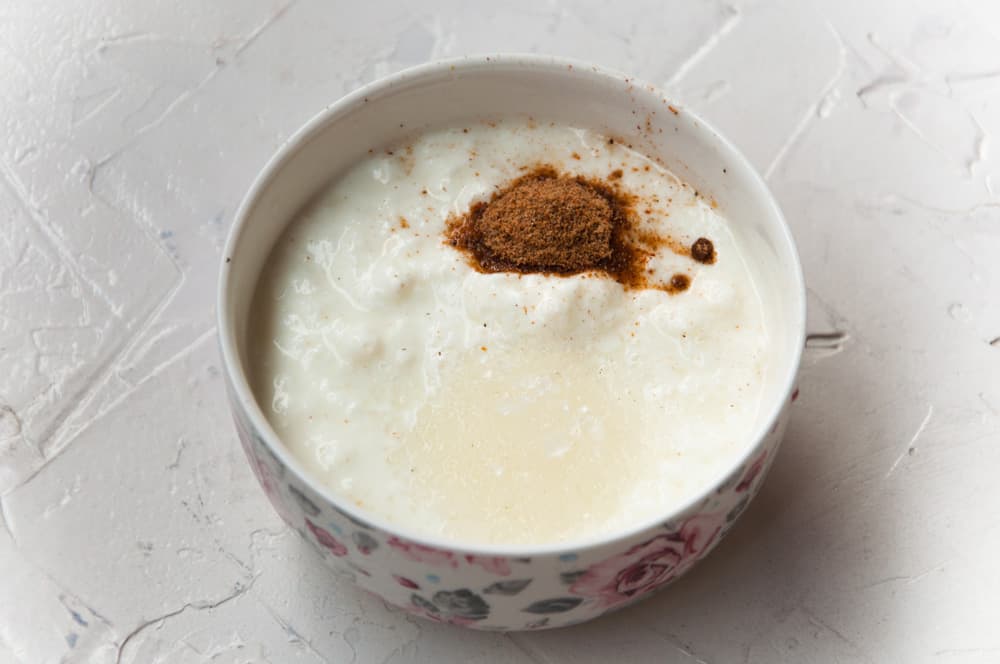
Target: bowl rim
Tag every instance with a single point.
(237, 377)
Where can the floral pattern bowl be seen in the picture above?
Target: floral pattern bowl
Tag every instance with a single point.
(508, 588)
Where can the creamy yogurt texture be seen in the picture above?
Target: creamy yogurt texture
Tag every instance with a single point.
(502, 408)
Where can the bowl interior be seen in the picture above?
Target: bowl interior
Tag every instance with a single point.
(449, 94)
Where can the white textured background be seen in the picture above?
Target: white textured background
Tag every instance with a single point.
(132, 529)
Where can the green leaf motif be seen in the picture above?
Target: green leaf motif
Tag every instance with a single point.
(510, 587)
(554, 605)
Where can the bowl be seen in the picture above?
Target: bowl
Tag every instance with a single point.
(509, 587)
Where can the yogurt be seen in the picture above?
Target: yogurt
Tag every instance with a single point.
(503, 408)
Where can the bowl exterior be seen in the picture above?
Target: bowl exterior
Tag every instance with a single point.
(548, 586)
(505, 593)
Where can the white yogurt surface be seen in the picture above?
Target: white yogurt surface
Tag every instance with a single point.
(502, 408)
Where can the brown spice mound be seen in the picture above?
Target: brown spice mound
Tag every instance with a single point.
(703, 251)
(552, 223)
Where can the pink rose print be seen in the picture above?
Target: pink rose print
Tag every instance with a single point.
(271, 487)
(638, 570)
(698, 533)
(262, 471)
(649, 565)
(406, 583)
(423, 554)
(497, 566)
(326, 539)
(267, 480)
(752, 472)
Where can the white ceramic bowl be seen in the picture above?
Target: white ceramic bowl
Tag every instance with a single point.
(509, 587)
